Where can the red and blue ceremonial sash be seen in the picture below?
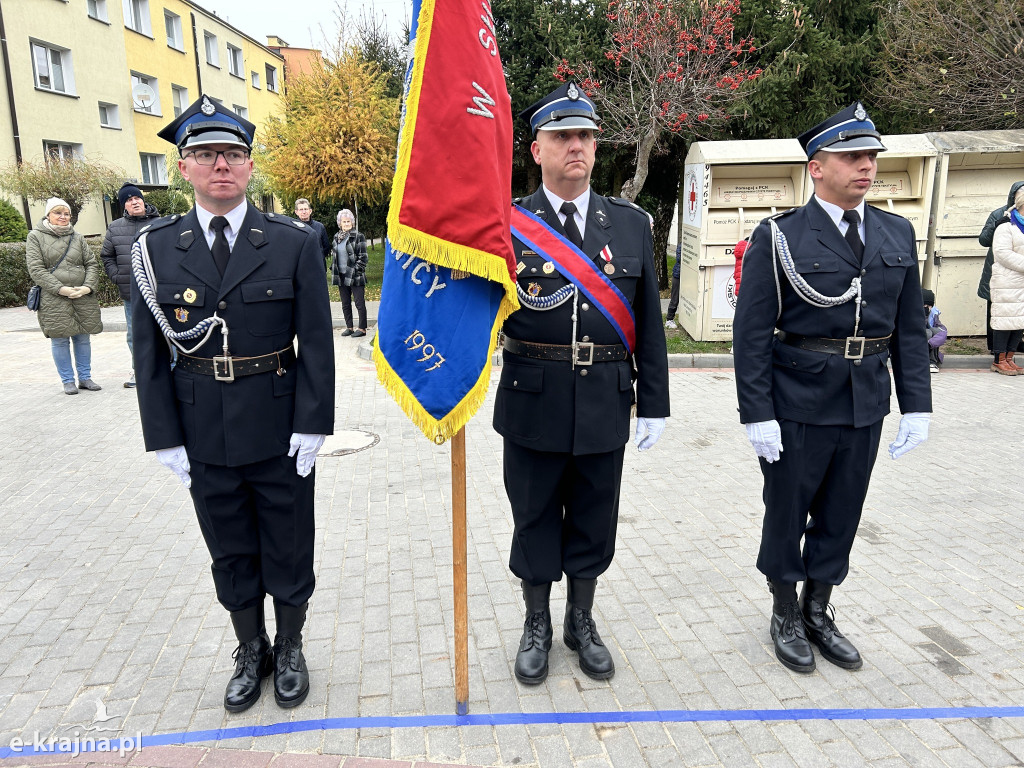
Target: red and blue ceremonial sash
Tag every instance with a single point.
(576, 267)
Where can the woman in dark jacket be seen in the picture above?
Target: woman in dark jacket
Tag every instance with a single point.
(349, 271)
(68, 272)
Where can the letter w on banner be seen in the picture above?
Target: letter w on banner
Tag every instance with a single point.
(449, 272)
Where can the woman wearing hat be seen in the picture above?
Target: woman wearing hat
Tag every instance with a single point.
(65, 268)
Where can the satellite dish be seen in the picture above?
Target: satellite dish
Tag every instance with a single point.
(143, 96)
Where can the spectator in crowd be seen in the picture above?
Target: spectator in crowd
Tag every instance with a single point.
(61, 263)
(117, 250)
(673, 299)
(934, 330)
(985, 238)
(1007, 288)
(349, 271)
(305, 213)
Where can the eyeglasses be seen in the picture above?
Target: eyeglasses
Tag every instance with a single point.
(209, 156)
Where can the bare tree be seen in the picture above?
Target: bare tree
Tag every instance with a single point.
(953, 64)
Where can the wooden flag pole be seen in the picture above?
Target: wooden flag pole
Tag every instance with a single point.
(459, 572)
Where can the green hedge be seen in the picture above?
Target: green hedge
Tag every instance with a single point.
(15, 282)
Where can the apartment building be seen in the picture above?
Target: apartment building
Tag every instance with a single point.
(99, 78)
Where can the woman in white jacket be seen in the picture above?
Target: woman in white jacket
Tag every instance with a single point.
(1007, 288)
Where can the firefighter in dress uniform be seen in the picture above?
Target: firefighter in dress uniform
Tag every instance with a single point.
(831, 296)
(567, 381)
(237, 414)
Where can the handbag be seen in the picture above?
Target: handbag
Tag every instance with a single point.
(32, 302)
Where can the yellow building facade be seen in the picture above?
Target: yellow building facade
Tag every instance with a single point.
(99, 79)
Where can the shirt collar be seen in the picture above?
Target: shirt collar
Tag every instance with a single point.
(582, 202)
(836, 213)
(235, 218)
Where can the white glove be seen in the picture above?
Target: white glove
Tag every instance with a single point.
(913, 431)
(307, 446)
(176, 460)
(648, 431)
(766, 437)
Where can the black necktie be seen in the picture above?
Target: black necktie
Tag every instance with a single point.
(571, 230)
(221, 250)
(852, 235)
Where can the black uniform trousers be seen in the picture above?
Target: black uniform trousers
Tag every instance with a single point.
(822, 474)
(565, 509)
(257, 520)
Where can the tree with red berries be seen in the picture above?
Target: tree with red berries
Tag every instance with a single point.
(674, 68)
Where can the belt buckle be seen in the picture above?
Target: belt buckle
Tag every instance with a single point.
(580, 346)
(228, 366)
(854, 342)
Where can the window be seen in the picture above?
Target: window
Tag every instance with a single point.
(172, 24)
(271, 78)
(211, 49)
(240, 111)
(136, 16)
(179, 94)
(235, 65)
(109, 116)
(255, 79)
(58, 150)
(52, 68)
(154, 168)
(97, 9)
(145, 94)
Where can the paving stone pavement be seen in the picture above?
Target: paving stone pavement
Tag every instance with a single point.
(106, 597)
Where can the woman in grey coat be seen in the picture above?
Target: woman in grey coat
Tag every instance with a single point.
(68, 309)
(349, 271)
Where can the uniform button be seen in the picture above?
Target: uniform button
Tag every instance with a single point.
(586, 338)
(585, 306)
(857, 362)
(583, 372)
(794, 362)
(624, 270)
(270, 292)
(222, 305)
(177, 295)
(816, 265)
(533, 269)
(863, 271)
(515, 383)
(864, 302)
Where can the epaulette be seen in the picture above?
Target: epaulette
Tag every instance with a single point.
(626, 204)
(780, 214)
(890, 213)
(288, 221)
(163, 221)
(516, 200)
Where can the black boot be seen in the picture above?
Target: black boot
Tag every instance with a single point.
(253, 660)
(532, 657)
(821, 628)
(788, 633)
(580, 633)
(291, 678)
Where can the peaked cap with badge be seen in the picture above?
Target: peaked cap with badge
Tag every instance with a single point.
(846, 131)
(208, 122)
(565, 107)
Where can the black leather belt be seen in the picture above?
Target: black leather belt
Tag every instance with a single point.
(852, 347)
(580, 353)
(230, 368)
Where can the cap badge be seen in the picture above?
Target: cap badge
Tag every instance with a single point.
(207, 107)
(573, 93)
(859, 112)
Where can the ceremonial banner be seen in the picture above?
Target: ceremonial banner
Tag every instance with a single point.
(449, 273)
